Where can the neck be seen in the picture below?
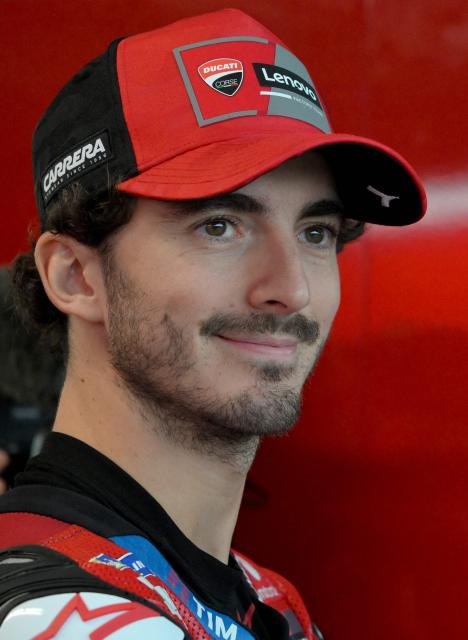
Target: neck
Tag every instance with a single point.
(200, 487)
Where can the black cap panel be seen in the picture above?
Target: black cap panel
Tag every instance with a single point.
(83, 135)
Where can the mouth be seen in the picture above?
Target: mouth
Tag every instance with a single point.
(262, 345)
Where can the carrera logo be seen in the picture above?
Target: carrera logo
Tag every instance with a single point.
(223, 74)
(91, 152)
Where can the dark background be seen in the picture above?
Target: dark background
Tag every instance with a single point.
(364, 505)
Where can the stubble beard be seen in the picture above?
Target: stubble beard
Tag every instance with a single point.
(155, 363)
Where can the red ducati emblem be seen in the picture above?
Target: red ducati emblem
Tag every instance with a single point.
(223, 74)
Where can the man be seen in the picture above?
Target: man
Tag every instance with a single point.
(192, 202)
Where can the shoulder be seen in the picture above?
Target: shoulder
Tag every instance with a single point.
(279, 593)
(44, 594)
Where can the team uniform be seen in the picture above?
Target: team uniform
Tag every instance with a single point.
(85, 544)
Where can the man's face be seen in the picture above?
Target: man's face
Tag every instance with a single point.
(218, 309)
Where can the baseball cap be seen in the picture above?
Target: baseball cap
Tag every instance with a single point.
(201, 107)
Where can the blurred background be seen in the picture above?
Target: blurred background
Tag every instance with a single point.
(364, 506)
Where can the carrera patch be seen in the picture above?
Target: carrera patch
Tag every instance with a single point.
(101, 616)
(222, 74)
(272, 80)
(88, 154)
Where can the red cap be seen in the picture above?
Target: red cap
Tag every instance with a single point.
(215, 101)
(208, 104)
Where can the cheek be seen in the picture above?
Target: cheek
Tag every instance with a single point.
(190, 294)
(326, 294)
(335, 291)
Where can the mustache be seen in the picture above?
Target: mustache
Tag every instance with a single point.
(300, 327)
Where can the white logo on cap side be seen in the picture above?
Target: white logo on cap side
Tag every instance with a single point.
(386, 199)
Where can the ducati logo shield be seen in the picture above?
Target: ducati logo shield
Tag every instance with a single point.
(223, 74)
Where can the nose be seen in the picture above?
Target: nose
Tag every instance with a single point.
(278, 282)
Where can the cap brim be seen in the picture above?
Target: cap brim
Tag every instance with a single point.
(374, 182)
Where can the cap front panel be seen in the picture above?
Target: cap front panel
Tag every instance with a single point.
(209, 91)
(229, 78)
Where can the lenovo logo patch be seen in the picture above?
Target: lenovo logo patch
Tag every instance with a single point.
(269, 75)
(223, 74)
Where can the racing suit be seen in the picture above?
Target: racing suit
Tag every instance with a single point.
(86, 551)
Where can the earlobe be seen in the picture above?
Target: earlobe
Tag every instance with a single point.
(71, 275)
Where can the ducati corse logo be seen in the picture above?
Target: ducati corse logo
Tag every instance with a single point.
(223, 74)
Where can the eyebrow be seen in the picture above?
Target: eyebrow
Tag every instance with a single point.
(244, 203)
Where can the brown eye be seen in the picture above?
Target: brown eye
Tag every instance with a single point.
(315, 235)
(216, 228)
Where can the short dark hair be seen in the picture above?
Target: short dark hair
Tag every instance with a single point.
(93, 222)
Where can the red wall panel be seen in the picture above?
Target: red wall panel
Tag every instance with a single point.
(364, 505)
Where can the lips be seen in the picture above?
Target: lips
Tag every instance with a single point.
(268, 341)
(261, 346)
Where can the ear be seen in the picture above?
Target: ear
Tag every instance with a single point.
(72, 276)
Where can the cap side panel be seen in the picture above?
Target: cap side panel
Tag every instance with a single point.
(83, 135)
